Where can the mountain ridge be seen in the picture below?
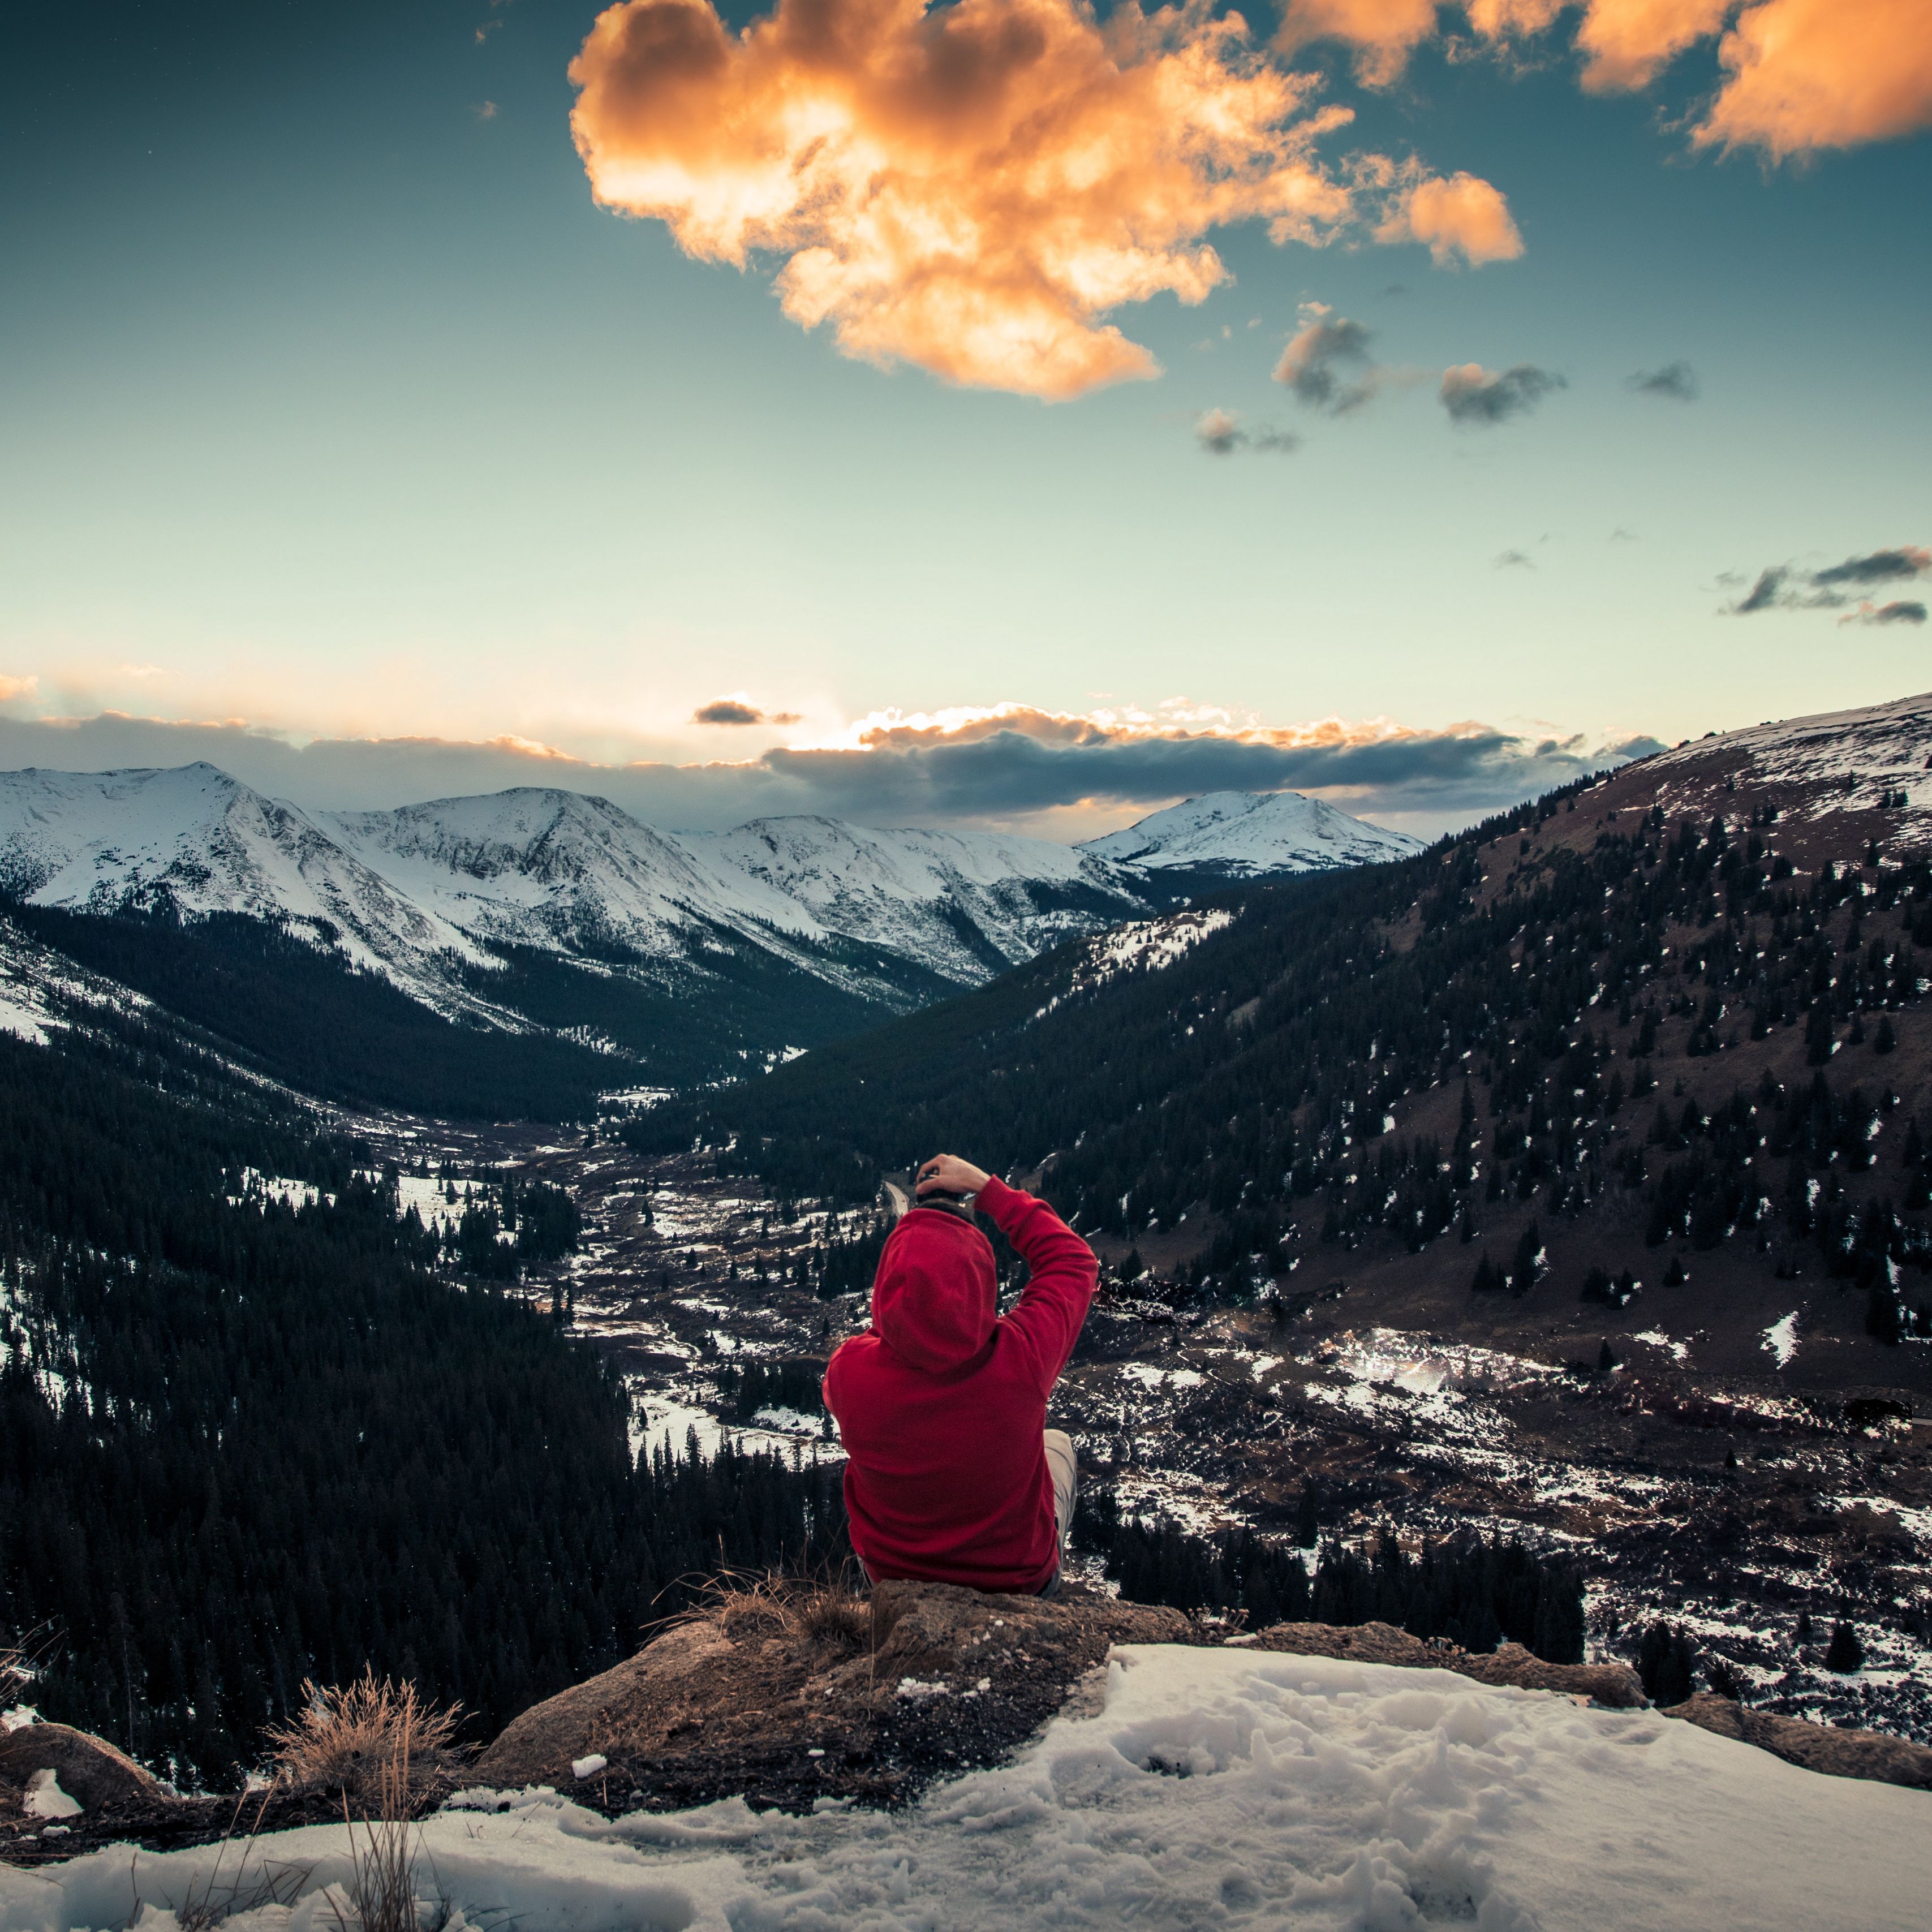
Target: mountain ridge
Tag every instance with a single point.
(538, 912)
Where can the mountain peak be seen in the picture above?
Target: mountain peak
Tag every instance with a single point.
(1239, 835)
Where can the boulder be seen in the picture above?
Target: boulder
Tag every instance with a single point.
(1613, 1684)
(88, 1768)
(1823, 1747)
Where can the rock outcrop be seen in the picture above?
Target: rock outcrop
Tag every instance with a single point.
(88, 1768)
(784, 1696)
(1613, 1684)
(1824, 1748)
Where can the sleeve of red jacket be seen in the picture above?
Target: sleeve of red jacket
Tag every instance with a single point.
(1062, 1273)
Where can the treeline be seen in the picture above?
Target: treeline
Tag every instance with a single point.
(299, 1011)
(1260, 1072)
(241, 1445)
(283, 1000)
(794, 1384)
(1474, 1592)
(505, 1225)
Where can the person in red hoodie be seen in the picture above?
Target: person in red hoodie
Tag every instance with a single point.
(953, 1476)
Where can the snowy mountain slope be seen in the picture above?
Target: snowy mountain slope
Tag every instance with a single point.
(198, 840)
(970, 904)
(548, 867)
(548, 911)
(1237, 835)
(1876, 760)
(1192, 1787)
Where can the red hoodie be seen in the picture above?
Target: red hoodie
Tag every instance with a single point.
(942, 1403)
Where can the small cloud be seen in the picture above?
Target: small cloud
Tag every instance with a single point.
(1780, 586)
(1766, 594)
(11, 688)
(1880, 566)
(1900, 610)
(1479, 397)
(1220, 433)
(1675, 382)
(740, 710)
(484, 110)
(1325, 344)
(1463, 216)
(1513, 559)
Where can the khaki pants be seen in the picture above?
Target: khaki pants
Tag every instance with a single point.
(1065, 1470)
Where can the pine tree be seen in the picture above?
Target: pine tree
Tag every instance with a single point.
(1308, 1516)
(1664, 1662)
(1845, 1654)
(1529, 1245)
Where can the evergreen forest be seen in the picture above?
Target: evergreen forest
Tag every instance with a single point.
(243, 1443)
(1580, 1001)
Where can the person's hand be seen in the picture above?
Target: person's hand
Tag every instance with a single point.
(947, 1173)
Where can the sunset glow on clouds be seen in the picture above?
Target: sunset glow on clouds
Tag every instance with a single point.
(1462, 217)
(1798, 75)
(973, 189)
(1805, 74)
(1013, 765)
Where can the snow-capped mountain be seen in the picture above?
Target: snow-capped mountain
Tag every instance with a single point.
(1241, 835)
(557, 869)
(196, 839)
(968, 903)
(547, 911)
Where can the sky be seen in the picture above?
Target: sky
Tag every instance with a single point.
(1010, 412)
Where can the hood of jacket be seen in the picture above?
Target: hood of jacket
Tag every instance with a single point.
(936, 1296)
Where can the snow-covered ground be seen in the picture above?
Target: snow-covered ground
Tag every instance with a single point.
(1209, 1788)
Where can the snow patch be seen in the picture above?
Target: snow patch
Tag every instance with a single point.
(1678, 1351)
(1213, 1787)
(44, 1798)
(1780, 1339)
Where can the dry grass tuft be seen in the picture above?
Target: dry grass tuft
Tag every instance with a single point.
(360, 1739)
(826, 1616)
(385, 1750)
(382, 1862)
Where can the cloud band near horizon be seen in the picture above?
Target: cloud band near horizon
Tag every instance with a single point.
(1008, 766)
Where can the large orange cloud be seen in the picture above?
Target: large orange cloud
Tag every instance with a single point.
(970, 189)
(1807, 74)
(1799, 75)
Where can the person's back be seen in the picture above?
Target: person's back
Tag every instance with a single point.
(941, 1405)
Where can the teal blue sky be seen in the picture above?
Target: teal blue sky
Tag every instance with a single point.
(331, 408)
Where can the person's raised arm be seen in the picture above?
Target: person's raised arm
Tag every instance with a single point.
(1062, 1272)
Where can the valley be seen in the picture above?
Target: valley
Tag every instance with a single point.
(1568, 1182)
(1729, 1497)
